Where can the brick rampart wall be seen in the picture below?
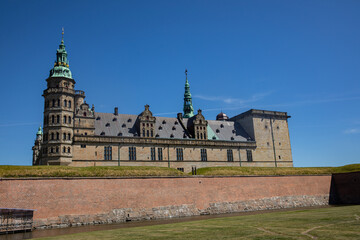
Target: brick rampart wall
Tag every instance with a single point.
(66, 202)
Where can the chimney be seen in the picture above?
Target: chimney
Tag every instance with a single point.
(116, 112)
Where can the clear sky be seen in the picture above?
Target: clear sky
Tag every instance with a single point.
(301, 57)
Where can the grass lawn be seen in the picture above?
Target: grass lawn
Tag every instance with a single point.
(63, 171)
(324, 223)
(228, 171)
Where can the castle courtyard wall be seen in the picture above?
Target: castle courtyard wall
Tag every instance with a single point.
(62, 202)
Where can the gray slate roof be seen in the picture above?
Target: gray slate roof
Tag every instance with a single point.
(108, 124)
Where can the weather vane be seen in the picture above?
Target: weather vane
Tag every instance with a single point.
(62, 34)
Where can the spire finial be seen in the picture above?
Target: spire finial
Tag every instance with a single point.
(62, 34)
(186, 73)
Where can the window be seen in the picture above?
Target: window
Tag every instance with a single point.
(64, 149)
(46, 137)
(152, 154)
(52, 136)
(249, 155)
(69, 120)
(69, 136)
(58, 103)
(132, 153)
(181, 169)
(64, 119)
(147, 133)
(179, 154)
(203, 155)
(68, 149)
(152, 133)
(57, 136)
(143, 132)
(108, 153)
(51, 150)
(53, 103)
(230, 156)
(52, 119)
(65, 103)
(107, 125)
(57, 149)
(160, 154)
(64, 136)
(58, 119)
(83, 146)
(279, 157)
(69, 103)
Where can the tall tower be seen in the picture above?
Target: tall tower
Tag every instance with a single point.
(58, 112)
(188, 107)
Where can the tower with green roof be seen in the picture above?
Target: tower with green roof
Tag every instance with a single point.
(58, 111)
(188, 107)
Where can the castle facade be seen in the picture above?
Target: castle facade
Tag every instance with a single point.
(74, 134)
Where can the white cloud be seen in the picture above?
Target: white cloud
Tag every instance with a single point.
(352, 131)
(235, 101)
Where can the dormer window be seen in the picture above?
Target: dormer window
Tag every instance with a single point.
(129, 120)
(163, 122)
(157, 135)
(172, 136)
(217, 130)
(233, 131)
(176, 122)
(114, 119)
(102, 133)
(214, 138)
(107, 125)
(232, 138)
(160, 127)
(120, 134)
(222, 125)
(173, 128)
(124, 125)
(98, 118)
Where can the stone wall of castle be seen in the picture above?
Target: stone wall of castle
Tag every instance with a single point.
(65, 202)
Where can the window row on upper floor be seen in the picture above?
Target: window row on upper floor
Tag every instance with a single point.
(55, 136)
(56, 119)
(57, 103)
(56, 149)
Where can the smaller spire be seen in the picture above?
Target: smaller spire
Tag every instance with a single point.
(39, 132)
(188, 108)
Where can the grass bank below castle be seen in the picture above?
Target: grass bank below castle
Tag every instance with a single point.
(325, 223)
(63, 171)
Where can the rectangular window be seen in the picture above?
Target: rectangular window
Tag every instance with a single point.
(230, 157)
(160, 154)
(179, 154)
(152, 154)
(181, 169)
(132, 153)
(249, 155)
(84, 146)
(107, 153)
(203, 155)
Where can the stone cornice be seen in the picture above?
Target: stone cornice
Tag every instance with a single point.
(161, 141)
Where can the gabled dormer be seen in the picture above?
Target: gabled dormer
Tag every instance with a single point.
(147, 123)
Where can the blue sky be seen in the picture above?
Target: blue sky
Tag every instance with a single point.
(301, 57)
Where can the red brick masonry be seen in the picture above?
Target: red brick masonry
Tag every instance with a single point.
(53, 198)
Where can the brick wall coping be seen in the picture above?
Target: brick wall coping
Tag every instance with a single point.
(157, 177)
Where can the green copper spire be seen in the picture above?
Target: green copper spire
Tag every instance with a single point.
(61, 66)
(188, 108)
(39, 132)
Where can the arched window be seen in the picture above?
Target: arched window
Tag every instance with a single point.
(69, 136)
(68, 149)
(64, 149)
(57, 136)
(52, 136)
(64, 136)
(147, 133)
(143, 132)
(201, 136)
(84, 114)
(52, 119)
(57, 149)
(51, 150)
(53, 103)
(65, 103)
(69, 118)
(64, 119)
(58, 119)
(152, 133)
(58, 103)
(69, 103)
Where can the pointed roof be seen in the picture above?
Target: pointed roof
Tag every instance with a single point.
(188, 107)
(61, 65)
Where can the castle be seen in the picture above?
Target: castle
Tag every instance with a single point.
(76, 135)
